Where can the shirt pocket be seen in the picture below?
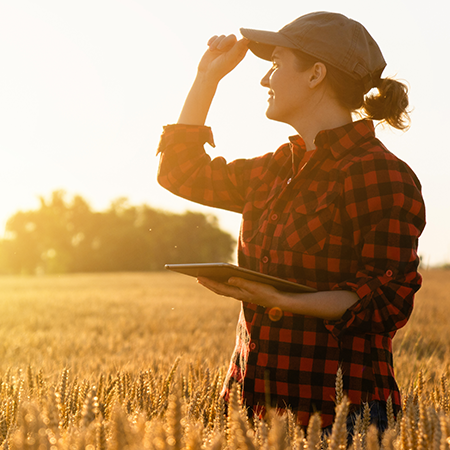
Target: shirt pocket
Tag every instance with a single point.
(310, 223)
(255, 213)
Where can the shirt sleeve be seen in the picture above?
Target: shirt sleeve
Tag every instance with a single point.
(386, 214)
(188, 171)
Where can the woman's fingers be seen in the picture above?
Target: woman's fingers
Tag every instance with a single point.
(222, 42)
(212, 39)
(227, 43)
(221, 288)
(223, 55)
(215, 41)
(240, 289)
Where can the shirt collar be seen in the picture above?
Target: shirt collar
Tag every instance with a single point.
(297, 144)
(339, 141)
(343, 140)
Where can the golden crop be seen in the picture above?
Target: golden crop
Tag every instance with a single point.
(136, 361)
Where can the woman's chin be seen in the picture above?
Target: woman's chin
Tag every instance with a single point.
(270, 113)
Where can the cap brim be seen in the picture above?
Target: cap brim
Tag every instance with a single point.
(263, 42)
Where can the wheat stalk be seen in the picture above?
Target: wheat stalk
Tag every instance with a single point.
(339, 386)
(174, 429)
(338, 438)
(314, 432)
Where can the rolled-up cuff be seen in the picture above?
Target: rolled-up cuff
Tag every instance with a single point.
(185, 134)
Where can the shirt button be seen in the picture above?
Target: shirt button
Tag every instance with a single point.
(252, 346)
(389, 273)
(274, 216)
(265, 259)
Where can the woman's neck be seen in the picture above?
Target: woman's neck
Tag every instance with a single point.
(326, 115)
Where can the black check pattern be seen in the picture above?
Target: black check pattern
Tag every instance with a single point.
(348, 217)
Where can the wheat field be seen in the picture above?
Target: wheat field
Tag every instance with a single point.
(136, 361)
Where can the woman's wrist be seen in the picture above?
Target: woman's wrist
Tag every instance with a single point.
(328, 305)
(206, 81)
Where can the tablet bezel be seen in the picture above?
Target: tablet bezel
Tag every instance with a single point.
(222, 272)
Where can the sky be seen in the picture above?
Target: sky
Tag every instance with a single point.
(86, 86)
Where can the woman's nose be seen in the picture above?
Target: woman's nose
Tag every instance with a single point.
(266, 78)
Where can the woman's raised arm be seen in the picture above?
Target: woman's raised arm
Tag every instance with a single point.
(223, 55)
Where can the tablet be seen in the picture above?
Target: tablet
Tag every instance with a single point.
(222, 272)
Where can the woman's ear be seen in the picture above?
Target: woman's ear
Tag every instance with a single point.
(318, 74)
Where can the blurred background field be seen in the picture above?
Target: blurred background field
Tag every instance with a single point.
(135, 321)
(112, 322)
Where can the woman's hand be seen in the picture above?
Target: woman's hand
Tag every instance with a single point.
(223, 55)
(244, 290)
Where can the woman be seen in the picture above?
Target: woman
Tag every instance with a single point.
(332, 209)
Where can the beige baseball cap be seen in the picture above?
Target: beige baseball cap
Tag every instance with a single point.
(331, 37)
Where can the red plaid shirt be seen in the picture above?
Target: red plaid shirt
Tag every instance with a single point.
(348, 219)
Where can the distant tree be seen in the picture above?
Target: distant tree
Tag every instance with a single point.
(63, 236)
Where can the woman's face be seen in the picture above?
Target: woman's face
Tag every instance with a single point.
(289, 90)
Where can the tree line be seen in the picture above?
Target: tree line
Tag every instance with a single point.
(68, 236)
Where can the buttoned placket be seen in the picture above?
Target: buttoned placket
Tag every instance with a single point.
(293, 182)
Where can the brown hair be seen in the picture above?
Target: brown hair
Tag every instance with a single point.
(389, 105)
